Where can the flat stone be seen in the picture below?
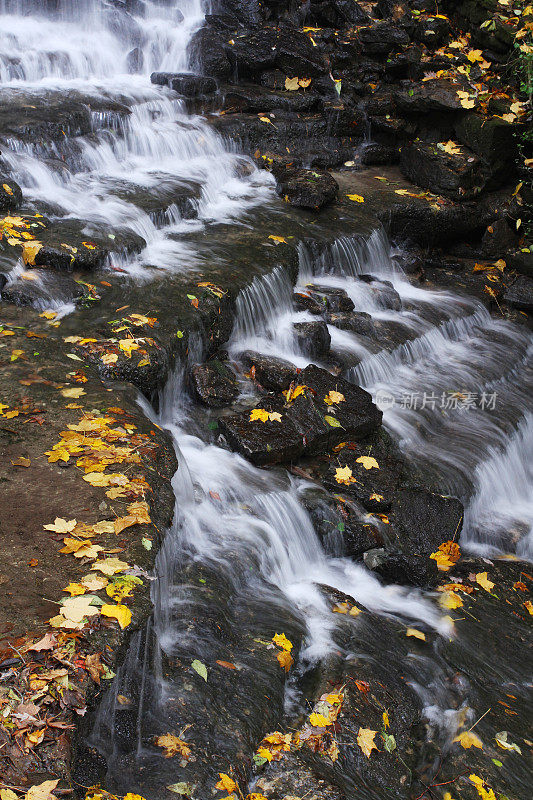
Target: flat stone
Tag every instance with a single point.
(214, 383)
(520, 294)
(274, 374)
(313, 338)
(260, 442)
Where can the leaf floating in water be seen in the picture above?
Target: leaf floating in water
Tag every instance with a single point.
(200, 668)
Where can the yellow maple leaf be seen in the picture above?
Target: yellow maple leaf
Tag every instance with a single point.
(529, 605)
(450, 147)
(281, 641)
(285, 660)
(365, 740)
(226, 783)
(75, 589)
(128, 345)
(293, 392)
(344, 475)
(173, 745)
(386, 723)
(73, 392)
(291, 84)
(110, 566)
(483, 580)
(334, 397)
(61, 525)
(278, 239)
(468, 739)
(368, 462)
(274, 416)
(109, 358)
(258, 414)
(319, 720)
(475, 55)
(357, 198)
(119, 612)
(29, 251)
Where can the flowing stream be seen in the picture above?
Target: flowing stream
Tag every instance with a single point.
(455, 387)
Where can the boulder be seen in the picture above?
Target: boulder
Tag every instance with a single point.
(186, 84)
(422, 520)
(520, 294)
(494, 141)
(382, 38)
(214, 383)
(207, 53)
(274, 374)
(407, 569)
(383, 292)
(458, 175)
(423, 98)
(304, 302)
(498, 239)
(10, 195)
(330, 298)
(375, 154)
(305, 188)
(521, 261)
(336, 13)
(286, 49)
(254, 99)
(313, 338)
(261, 442)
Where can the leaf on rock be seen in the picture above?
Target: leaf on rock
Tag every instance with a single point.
(119, 612)
(173, 745)
(226, 783)
(469, 739)
(483, 580)
(365, 740)
(285, 660)
(281, 641)
(200, 668)
(61, 525)
(368, 462)
(416, 634)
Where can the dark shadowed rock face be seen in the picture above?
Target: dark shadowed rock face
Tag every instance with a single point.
(10, 195)
(313, 338)
(498, 239)
(520, 294)
(214, 383)
(305, 188)
(306, 424)
(459, 175)
(273, 374)
(185, 84)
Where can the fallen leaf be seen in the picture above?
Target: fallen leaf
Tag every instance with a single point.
(502, 741)
(344, 475)
(368, 462)
(42, 791)
(334, 397)
(285, 660)
(319, 720)
(357, 198)
(173, 745)
(61, 525)
(483, 580)
(74, 392)
(226, 783)
(200, 668)
(281, 641)
(469, 739)
(119, 612)
(365, 740)
(416, 634)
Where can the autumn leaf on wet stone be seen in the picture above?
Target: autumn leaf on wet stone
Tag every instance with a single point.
(469, 739)
(416, 634)
(365, 740)
(173, 745)
(119, 612)
(319, 720)
(344, 475)
(281, 641)
(483, 580)
(447, 555)
(226, 783)
(368, 462)
(285, 660)
(334, 397)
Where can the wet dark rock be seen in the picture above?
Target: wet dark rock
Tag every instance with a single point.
(37, 293)
(357, 415)
(337, 13)
(185, 84)
(207, 53)
(382, 38)
(431, 32)
(293, 778)
(330, 298)
(51, 119)
(286, 49)
(3, 280)
(10, 195)
(423, 98)
(340, 526)
(247, 12)
(304, 302)
(521, 261)
(417, 222)
(272, 373)
(498, 239)
(458, 176)
(125, 27)
(383, 292)
(380, 154)
(135, 60)
(214, 383)
(493, 140)
(255, 99)
(520, 294)
(305, 188)
(421, 520)
(267, 442)
(313, 338)
(408, 569)
(358, 322)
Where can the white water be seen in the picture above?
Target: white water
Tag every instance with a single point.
(82, 55)
(457, 394)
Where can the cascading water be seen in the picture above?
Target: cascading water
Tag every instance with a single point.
(456, 392)
(142, 143)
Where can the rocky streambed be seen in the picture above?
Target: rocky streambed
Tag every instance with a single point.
(283, 415)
